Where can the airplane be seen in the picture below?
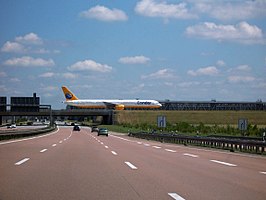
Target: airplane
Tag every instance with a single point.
(115, 104)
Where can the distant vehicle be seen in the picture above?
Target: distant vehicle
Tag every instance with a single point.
(12, 126)
(94, 129)
(116, 104)
(76, 128)
(103, 131)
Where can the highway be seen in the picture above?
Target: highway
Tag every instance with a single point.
(81, 165)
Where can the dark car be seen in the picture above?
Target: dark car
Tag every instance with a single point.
(76, 128)
(94, 129)
(103, 131)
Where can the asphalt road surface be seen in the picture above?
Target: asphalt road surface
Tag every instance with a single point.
(81, 165)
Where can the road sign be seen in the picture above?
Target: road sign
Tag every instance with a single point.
(243, 124)
(161, 121)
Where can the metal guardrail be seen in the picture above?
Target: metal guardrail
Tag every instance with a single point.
(249, 146)
(25, 133)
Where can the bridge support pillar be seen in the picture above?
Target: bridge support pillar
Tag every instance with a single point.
(108, 119)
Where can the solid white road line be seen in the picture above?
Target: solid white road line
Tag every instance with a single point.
(224, 163)
(131, 165)
(170, 150)
(263, 173)
(156, 147)
(120, 138)
(43, 150)
(54, 145)
(191, 155)
(22, 161)
(175, 196)
(32, 138)
(114, 153)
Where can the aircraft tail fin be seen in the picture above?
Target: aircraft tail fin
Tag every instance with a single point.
(68, 94)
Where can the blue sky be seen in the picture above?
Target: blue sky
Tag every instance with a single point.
(179, 50)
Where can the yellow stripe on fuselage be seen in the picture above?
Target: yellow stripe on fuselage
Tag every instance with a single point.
(102, 107)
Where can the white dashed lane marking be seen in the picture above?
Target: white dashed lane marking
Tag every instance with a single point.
(43, 150)
(22, 161)
(175, 196)
(224, 163)
(191, 155)
(131, 165)
(114, 153)
(263, 173)
(54, 145)
(170, 150)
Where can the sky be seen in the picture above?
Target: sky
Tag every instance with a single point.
(180, 50)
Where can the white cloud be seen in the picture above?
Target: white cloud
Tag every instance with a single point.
(47, 75)
(3, 74)
(3, 88)
(49, 88)
(14, 80)
(89, 65)
(134, 60)
(161, 74)
(69, 75)
(13, 47)
(239, 69)
(151, 8)
(238, 79)
(30, 38)
(104, 14)
(234, 10)
(188, 84)
(27, 61)
(241, 32)
(243, 68)
(208, 71)
(220, 63)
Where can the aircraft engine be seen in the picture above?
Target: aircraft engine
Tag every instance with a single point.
(119, 107)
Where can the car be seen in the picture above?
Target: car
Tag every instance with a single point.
(12, 126)
(103, 131)
(76, 128)
(94, 129)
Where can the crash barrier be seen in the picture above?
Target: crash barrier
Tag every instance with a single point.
(16, 133)
(250, 146)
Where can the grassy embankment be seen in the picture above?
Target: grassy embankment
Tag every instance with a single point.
(193, 121)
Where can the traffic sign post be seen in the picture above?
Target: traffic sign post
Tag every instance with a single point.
(161, 121)
(243, 125)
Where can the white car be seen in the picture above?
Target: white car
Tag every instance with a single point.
(12, 126)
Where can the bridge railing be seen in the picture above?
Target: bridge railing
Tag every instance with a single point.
(249, 146)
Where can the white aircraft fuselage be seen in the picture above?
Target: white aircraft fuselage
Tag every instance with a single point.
(116, 104)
